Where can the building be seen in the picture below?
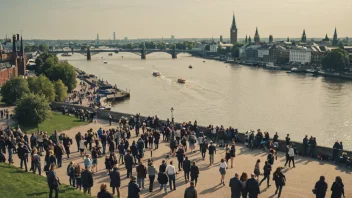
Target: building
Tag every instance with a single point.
(213, 47)
(263, 53)
(256, 37)
(97, 41)
(278, 54)
(335, 41)
(252, 53)
(318, 52)
(12, 62)
(221, 39)
(114, 36)
(300, 55)
(304, 37)
(233, 31)
(271, 39)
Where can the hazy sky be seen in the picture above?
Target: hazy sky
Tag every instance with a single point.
(83, 19)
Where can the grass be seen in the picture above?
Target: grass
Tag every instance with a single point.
(17, 183)
(57, 122)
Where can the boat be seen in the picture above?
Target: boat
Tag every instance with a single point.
(156, 73)
(66, 54)
(105, 62)
(181, 80)
(271, 65)
(204, 61)
(295, 70)
(122, 56)
(110, 54)
(190, 67)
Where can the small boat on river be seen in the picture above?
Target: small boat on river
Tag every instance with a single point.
(105, 62)
(181, 80)
(156, 73)
(190, 67)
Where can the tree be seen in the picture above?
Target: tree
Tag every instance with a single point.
(60, 91)
(337, 60)
(42, 85)
(13, 90)
(207, 48)
(65, 72)
(43, 48)
(32, 109)
(45, 61)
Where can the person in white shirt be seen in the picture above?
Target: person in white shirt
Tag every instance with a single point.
(222, 170)
(171, 172)
(178, 136)
(82, 146)
(291, 156)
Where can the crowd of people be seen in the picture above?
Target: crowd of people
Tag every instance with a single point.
(115, 145)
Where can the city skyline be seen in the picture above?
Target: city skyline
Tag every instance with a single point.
(67, 19)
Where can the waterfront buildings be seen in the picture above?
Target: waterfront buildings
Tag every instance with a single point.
(233, 31)
(300, 54)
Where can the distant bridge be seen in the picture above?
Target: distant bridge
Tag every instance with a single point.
(140, 52)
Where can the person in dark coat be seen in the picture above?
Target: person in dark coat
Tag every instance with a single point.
(162, 167)
(128, 163)
(252, 187)
(22, 153)
(279, 179)
(53, 181)
(115, 181)
(236, 187)
(337, 188)
(104, 193)
(320, 188)
(87, 180)
(133, 189)
(186, 168)
(190, 192)
(194, 173)
(163, 179)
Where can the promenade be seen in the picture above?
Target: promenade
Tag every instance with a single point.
(300, 180)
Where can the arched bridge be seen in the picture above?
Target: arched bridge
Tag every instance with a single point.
(140, 52)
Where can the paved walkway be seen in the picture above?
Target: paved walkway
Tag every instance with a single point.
(300, 180)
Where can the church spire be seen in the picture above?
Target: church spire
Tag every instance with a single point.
(233, 30)
(334, 40)
(256, 37)
(233, 26)
(22, 48)
(246, 40)
(304, 37)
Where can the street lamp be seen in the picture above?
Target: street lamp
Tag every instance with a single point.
(172, 114)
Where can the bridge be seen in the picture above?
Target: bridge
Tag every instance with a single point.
(140, 52)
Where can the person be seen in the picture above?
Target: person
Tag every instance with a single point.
(288, 139)
(212, 151)
(252, 187)
(36, 162)
(128, 163)
(257, 169)
(291, 157)
(337, 188)
(103, 192)
(190, 192)
(180, 154)
(194, 173)
(171, 172)
(87, 180)
(305, 145)
(58, 151)
(77, 174)
(53, 181)
(336, 149)
(222, 170)
(88, 162)
(236, 187)
(204, 148)
(151, 172)
(244, 179)
(186, 168)
(141, 174)
(280, 180)
(22, 153)
(115, 181)
(94, 159)
(163, 179)
(320, 188)
(133, 189)
(70, 172)
(267, 170)
(232, 153)
(162, 167)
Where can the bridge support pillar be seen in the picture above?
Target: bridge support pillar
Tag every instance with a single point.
(144, 52)
(174, 55)
(72, 50)
(89, 54)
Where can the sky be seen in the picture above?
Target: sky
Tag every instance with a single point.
(83, 19)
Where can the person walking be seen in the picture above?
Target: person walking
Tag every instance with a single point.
(171, 172)
(280, 181)
(87, 180)
(151, 172)
(212, 151)
(22, 153)
(133, 189)
(70, 173)
(232, 153)
(77, 173)
(180, 155)
(53, 181)
(204, 148)
(291, 156)
(186, 168)
(190, 192)
(320, 188)
(194, 173)
(36, 162)
(252, 187)
(257, 169)
(128, 163)
(163, 179)
(244, 179)
(141, 174)
(115, 181)
(236, 187)
(267, 170)
(337, 188)
(58, 151)
(104, 192)
(222, 170)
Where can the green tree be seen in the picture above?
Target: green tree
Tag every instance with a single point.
(42, 85)
(60, 91)
(43, 48)
(207, 48)
(45, 61)
(65, 72)
(13, 90)
(32, 109)
(337, 60)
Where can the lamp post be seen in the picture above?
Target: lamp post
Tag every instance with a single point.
(172, 114)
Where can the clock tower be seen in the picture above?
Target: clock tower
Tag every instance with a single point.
(233, 31)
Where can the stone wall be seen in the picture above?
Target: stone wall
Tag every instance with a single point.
(102, 114)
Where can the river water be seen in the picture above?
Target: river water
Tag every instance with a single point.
(232, 95)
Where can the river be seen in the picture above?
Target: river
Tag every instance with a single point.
(232, 95)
